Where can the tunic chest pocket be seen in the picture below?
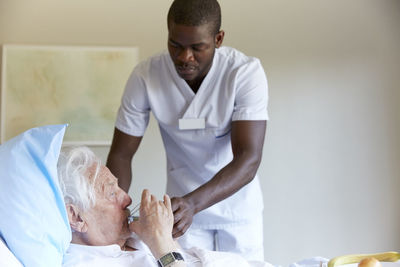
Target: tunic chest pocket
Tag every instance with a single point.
(219, 133)
(218, 129)
(222, 145)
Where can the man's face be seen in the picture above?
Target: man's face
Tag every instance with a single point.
(192, 50)
(107, 220)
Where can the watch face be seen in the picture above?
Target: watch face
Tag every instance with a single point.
(167, 259)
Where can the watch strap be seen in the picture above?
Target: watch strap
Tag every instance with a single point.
(169, 258)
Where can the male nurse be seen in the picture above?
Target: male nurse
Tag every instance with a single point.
(210, 102)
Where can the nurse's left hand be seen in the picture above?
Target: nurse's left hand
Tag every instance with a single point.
(183, 215)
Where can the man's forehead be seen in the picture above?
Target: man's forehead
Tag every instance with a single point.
(190, 32)
(104, 177)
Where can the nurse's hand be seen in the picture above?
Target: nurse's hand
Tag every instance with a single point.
(183, 215)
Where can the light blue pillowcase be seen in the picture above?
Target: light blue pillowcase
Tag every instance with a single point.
(33, 218)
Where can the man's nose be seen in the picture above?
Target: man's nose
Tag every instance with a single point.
(186, 55)
(126, 201)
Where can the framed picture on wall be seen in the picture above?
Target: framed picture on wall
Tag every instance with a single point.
(81, 86)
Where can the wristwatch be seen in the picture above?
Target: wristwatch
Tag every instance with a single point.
(169, 258)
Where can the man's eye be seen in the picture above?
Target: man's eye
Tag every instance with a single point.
(199, 47)
(173, 45)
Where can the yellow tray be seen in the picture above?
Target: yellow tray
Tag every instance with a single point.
(390, 256)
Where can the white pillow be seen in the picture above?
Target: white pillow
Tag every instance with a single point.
(34, 222)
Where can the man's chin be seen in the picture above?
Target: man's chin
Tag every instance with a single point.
(126, 234)
(125, 229)
(187, 75)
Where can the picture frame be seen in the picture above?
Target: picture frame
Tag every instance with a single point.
(78, 85)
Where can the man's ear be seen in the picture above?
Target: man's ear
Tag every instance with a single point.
(76, 221)
(219, 38)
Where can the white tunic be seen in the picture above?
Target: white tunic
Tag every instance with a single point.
(234, 89)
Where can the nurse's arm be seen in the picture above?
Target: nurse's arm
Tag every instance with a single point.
(123, 148)
(247, 139)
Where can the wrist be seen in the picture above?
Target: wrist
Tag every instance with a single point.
(193, 202)
(162, 247)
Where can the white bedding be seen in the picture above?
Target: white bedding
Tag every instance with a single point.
(222, 259)
(208, 259)
(105, 256)
(6, 257)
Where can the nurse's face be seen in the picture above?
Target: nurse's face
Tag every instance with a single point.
(192, 50)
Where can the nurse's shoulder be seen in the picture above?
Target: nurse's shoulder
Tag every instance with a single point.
(234, 58)
(152, 65)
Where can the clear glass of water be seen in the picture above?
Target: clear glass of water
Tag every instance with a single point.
(134, 213)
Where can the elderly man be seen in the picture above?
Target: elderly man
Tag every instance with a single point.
(98, 213)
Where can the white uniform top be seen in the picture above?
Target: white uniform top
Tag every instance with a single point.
(235, 88)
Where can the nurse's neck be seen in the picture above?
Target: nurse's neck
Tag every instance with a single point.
(195, 84)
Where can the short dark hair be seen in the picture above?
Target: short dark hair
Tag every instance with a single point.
(196, 13)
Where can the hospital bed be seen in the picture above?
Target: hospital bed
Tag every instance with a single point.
(7, 259)
(34, 228)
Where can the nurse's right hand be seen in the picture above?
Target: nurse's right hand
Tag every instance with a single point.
(183, 215)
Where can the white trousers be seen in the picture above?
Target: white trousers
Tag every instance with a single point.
(243, 239)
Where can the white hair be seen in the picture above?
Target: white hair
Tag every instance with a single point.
(73, 175)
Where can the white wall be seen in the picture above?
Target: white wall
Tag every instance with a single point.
(330, 172)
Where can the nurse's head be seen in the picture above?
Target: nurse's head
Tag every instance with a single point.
(193, 35)
(96, 206)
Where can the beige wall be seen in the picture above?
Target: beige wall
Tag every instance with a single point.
(330, 172)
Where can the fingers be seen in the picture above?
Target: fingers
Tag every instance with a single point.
(183, 216)
(167, 202)
(146, 196)
(178, 215)
(179, 229)
(133, 226)
(176, 207)
(175, 204)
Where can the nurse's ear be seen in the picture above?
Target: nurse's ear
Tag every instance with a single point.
(75, 218)
(219, 38)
